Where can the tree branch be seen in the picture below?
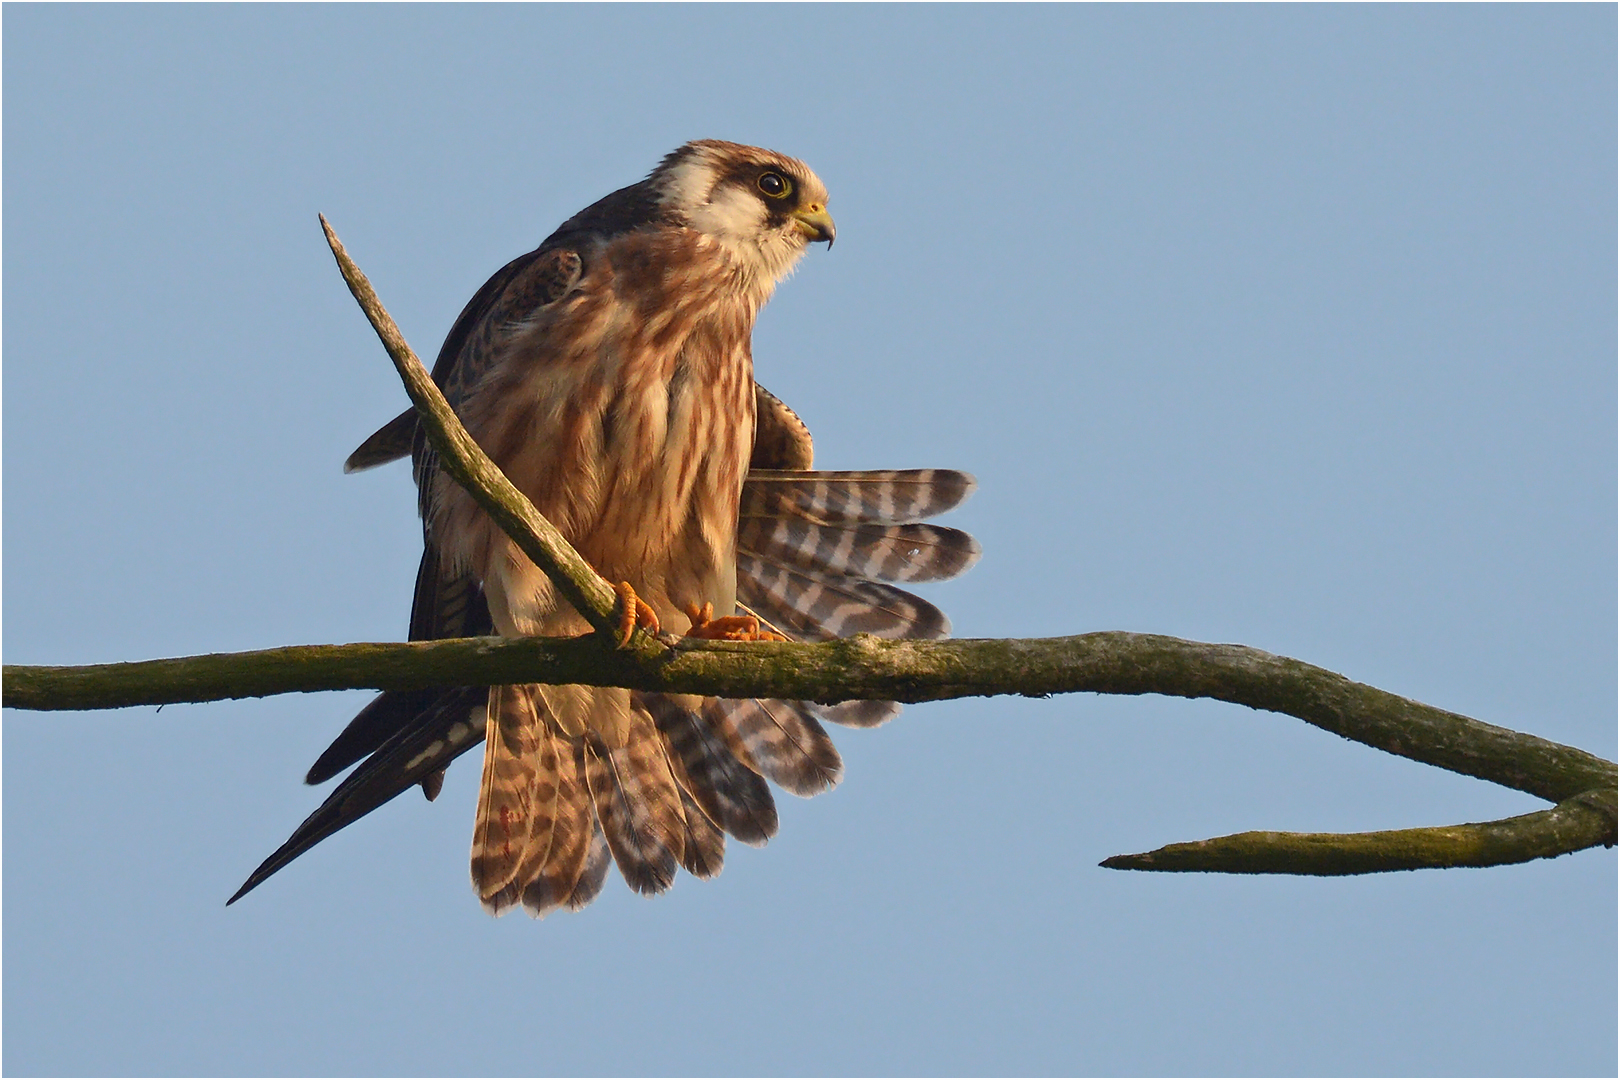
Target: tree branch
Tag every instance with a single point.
(1582, 785)
(1110, 662)
(864, 667)
(1587, 820)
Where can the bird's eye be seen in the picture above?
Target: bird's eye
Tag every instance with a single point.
(775, 185)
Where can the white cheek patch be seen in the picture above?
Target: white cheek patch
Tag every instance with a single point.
(732, 216)
(688, 183)
(736, 219)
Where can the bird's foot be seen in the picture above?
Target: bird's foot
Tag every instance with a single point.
(633, 612)
(727, 627)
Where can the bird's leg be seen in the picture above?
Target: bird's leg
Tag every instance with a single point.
(728, 627)
(633, 612)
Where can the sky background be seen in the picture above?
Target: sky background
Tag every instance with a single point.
(1293, 327)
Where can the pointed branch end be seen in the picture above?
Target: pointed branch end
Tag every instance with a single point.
(332, 240)
(1585, 821)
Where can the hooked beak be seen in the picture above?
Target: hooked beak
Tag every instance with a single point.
(816, 224)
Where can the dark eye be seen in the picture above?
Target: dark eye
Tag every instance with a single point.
(775, 185)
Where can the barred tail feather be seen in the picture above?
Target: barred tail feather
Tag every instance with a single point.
(703, 851)
(509, 799)
(552, 881)
(638, 805)
(734, 796)
(780, 740)
(597, 860)
(704, 845)
(859, 714)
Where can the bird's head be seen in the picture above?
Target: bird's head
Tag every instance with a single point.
(764, 208)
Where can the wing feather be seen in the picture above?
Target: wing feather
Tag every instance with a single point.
(395, 438)
(909, 553)
(892, 497)
(449, 727)
(388, 443)
(815, 606)
(443, 607)
(781, 439)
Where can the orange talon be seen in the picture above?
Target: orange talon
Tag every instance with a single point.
(727, 628)
(633, 612)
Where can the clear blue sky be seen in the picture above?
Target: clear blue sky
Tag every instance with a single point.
(1286, 326)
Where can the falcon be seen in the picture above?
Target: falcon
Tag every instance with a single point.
(609, 373)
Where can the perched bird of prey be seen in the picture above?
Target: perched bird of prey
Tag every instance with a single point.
(609, 374)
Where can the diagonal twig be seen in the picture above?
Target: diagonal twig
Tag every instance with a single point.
(467, 463)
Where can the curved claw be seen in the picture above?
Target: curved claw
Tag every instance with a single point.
(633, 612)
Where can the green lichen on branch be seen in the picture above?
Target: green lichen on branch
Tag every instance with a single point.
(859, 667)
